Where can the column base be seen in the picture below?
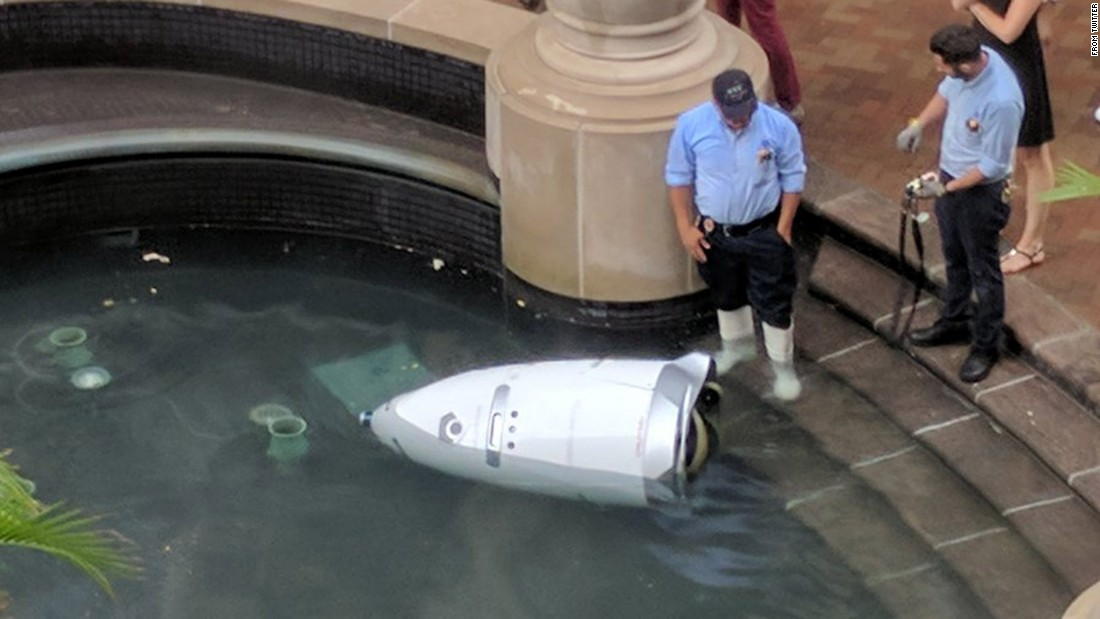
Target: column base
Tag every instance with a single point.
(673, 319)
(581, 162)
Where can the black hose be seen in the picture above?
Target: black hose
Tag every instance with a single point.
(911, 219)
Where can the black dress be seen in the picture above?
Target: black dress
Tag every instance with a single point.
(1025, 55)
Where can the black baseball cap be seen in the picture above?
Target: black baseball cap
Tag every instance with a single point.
(734, 93)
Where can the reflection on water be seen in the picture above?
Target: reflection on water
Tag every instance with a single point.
(352, 530)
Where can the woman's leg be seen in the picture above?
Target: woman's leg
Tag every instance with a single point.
(763, 18)
(1039, 171)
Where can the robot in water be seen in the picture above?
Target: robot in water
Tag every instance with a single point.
(622, 432)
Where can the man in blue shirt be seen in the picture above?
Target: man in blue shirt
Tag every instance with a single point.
(981, 106)
(735, 173)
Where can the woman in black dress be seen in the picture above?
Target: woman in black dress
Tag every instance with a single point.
(1012, 28)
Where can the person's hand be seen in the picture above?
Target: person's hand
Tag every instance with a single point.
(785, 234)
(962, 5)
(695, 242)
(909, 138)
(927, 185)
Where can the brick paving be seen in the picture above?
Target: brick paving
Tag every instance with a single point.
(865, 68)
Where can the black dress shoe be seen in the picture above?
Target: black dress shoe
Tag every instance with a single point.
(977, 366)
(941, 333)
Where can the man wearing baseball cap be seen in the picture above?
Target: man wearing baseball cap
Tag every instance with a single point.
(735, 173)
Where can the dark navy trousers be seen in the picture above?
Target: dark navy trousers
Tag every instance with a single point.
(756, 268)
(970, 222)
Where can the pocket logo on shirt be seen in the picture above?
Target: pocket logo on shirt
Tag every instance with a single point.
(765, 152)
(973, 125)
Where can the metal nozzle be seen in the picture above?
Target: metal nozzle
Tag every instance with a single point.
(365, 417)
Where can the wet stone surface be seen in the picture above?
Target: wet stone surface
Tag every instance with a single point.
(1067, 533)
(1005, 471)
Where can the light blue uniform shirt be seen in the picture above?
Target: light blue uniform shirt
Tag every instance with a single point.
(983, 120)
(737, 176)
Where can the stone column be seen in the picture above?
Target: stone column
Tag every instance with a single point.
(579, 109)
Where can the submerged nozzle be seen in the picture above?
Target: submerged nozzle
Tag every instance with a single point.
(364, 418)
(288, 439)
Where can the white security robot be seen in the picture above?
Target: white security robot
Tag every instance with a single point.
(624, 432)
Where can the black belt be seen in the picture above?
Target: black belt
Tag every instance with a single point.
(768, 220)
(998, 184)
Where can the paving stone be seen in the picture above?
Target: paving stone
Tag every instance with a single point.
(1092, 396)
(927, 312)
(798, 474)
(902, 389)
(876, 219)
(929, 497)
(1088, 486)
(866, 213)
(771, 443)
(937, 504)
(846, 426)
(1065, 435)
(933, 252)
(1076, 358)
(945, 362)
(1034, 317)
(860, 285)
(1009, 576)
(907, 576)
(796, 471)
(934, 592)
(823, 184)
(821, 330)
(1001, 468)
(865, 532)
(1067, 534)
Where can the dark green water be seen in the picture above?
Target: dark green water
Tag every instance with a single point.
(168, 452)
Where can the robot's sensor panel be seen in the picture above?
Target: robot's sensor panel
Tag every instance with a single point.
(610, 431)
(450, 428)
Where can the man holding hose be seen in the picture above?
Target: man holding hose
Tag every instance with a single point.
(981, 107)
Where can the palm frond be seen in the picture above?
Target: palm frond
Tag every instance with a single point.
(14, 489)
(64, 533)
(1073, 182)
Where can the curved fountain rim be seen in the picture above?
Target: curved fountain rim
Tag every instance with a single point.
(159, 141)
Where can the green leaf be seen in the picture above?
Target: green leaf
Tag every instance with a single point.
(15, 490)
(1072, 182)
(68, 534)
